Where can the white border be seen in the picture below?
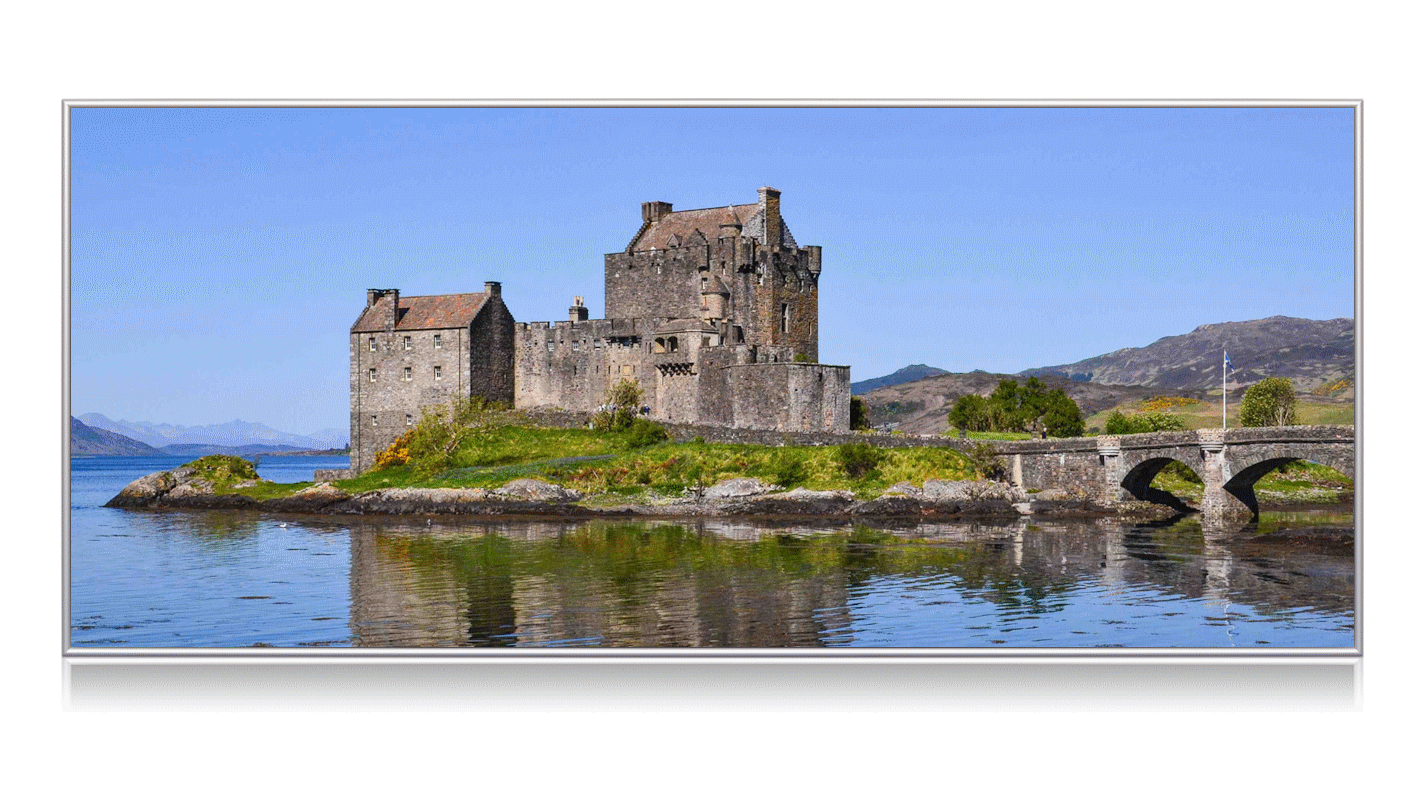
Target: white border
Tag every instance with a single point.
(734, 680)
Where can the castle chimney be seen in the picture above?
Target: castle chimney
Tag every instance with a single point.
(390, 310)
(653, 211)
(769, 201)
(578, 310)
(493, 288)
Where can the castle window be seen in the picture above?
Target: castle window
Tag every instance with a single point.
(550, 345)
(408, 374)
(437, 341)
(786, 318)
(673, 344)
(626, 370)
(408, 420)
(739, 333)
(658, 345)
(407, 343)
(373, 374)
(373, 344)
(437, 372)
(374, 421)
(574, 345)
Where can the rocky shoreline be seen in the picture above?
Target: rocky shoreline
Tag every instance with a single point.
(529, 498)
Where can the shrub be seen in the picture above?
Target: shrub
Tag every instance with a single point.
(643, 433)
(788, 470)
(1143, 422)
(1271, 402)
(857, 459)
(396, 453)
(621, 407)
(985, 461)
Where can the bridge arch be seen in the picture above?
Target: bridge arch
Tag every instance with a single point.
(1242, 458)
(1136, 482)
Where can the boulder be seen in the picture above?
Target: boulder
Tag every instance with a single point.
(144, 491)
(798, 502)
(736, 488)
(532, 489)
(311, 498)
(907, 489)
(888, 506)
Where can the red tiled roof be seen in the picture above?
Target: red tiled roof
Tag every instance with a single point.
(453, 311)
(684, 222)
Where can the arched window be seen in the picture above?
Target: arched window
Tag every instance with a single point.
(658, 345)
(673, 344)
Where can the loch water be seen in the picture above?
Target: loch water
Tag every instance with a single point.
(217, 579)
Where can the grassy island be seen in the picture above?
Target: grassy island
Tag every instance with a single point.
(626, 466)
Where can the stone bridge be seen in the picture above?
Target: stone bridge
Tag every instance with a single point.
(1115, 469)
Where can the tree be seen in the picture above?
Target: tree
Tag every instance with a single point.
(1011, 407)
(1062, 417)
(860, 414)
(1271, 402)
(621, 406)
(969, 413)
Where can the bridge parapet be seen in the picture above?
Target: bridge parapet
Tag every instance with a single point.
(1114, 468)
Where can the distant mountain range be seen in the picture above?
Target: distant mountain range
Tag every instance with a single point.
(1311, 353)
(88, 441)
(1314, 354)
(235, 434)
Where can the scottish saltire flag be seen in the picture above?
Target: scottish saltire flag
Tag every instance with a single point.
(1226, 361)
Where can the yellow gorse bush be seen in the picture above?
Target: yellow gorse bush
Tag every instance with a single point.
(396, 453)
(1161, 403)
(1333, 387)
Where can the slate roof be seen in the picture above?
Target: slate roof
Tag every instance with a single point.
(682, 223)
(453, 311)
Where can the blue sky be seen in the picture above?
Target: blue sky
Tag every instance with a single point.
(219, 256)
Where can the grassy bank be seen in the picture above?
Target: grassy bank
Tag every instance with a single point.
(1210, 413)
(614, 467)
(607, 467)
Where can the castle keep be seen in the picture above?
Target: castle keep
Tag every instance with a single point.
(713, 312)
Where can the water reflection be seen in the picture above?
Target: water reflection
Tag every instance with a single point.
(724, 583)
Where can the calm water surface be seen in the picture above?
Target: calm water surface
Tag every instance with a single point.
(232, 579)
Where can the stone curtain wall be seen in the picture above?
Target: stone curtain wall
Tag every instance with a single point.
(572, 364)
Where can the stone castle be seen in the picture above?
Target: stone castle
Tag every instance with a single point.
(713, 312)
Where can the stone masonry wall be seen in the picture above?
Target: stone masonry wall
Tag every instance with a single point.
(416, 369)
(388, 402)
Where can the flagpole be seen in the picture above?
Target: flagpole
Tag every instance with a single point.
(1224, 387)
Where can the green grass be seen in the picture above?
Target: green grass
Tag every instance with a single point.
(998, 435)
(606, 469)
(1211, 415)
